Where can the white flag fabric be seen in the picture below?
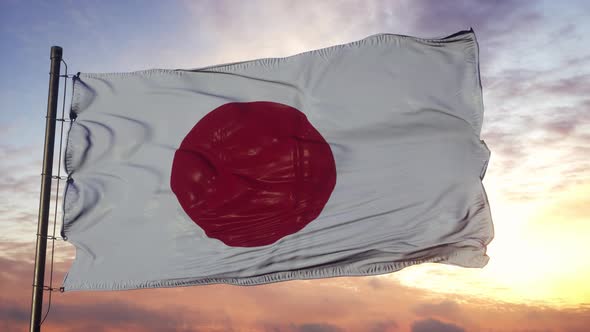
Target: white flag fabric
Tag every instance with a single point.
(357, 159)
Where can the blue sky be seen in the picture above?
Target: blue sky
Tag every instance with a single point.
(535, 66)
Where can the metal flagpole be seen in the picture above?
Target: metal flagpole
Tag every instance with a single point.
(46, 176)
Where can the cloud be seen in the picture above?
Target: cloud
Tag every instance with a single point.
(125, 314)
(578, 60)
(527, 84)
(565, 120)
(444, 309)
(359, 325)
(18, 251)
(375, 282)
(549, 144)
(318, 327)
(433, 325)
(568, 86)
(485, 16)
(10, 313)
(383, 326)
(20, 179)
(244, 30)
(103, 315)
(14, 271)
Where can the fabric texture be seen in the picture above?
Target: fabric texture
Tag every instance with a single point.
(378, 165)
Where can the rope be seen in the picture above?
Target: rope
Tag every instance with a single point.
(59, 178)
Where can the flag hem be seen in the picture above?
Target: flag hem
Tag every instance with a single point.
(466, 256)
(326, 50)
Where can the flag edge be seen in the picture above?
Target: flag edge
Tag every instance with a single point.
(464, 256)
(458, 36)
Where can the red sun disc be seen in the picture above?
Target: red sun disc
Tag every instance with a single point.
(252, 173)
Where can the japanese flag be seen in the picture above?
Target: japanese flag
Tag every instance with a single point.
(357, 159)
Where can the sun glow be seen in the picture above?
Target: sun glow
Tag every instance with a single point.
(539, 255)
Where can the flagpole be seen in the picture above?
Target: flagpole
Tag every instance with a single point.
(45, 197)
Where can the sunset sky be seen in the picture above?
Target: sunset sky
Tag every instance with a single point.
(535, 68)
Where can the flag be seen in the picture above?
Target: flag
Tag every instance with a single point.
(352, 160)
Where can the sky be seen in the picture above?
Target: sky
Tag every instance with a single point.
(535, 68)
